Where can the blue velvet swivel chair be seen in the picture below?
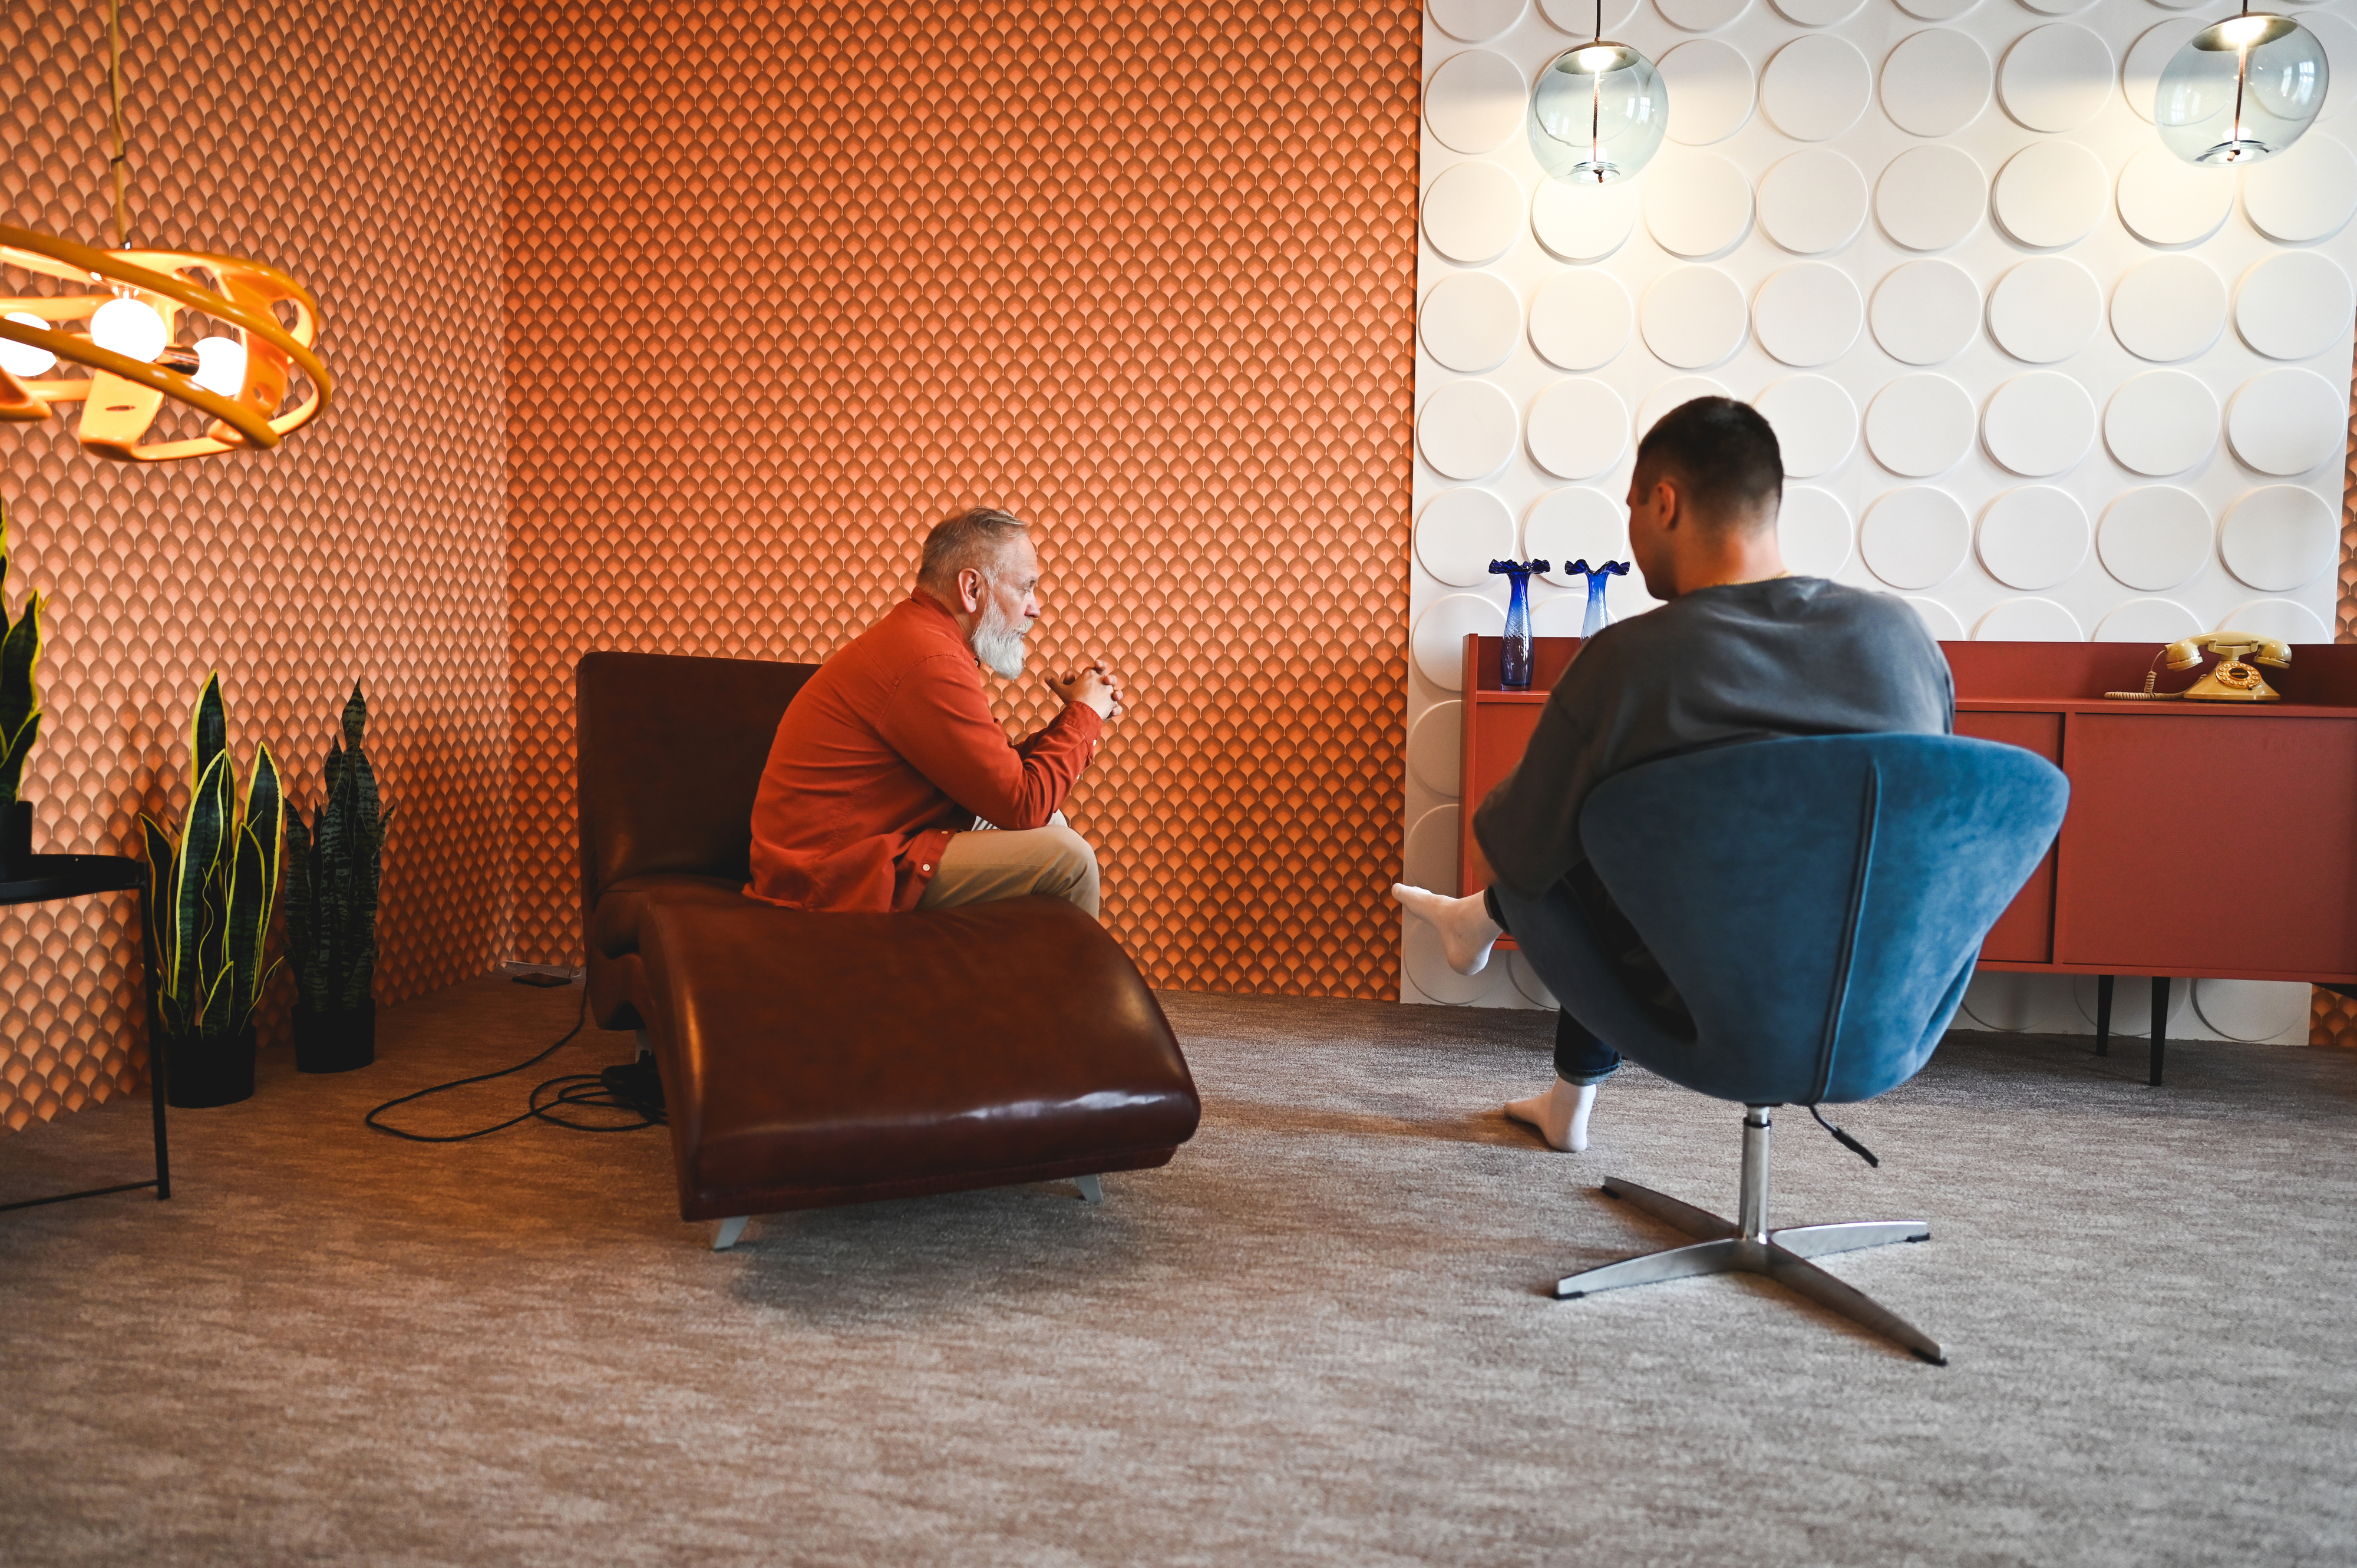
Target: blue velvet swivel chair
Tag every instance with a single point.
(1818, 904)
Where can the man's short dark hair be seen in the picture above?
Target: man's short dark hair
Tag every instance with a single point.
(1723, 454)
(974, 538)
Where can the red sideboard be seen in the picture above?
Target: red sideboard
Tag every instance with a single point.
(2202, 839)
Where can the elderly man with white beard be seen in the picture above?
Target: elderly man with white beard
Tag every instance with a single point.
(889, 761)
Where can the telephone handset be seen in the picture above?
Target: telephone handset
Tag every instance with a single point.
(2234, 678)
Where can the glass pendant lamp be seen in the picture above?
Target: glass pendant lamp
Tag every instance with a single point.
(2242, 90)
(1598, 112)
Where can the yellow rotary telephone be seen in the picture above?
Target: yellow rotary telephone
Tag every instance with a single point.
(2232, 680)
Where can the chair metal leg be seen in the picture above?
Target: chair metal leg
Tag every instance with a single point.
(731, 1230)
(1816, 1240)
(1699, 1224)
(646, 1042)
(1724, 1256)
(1092, 1188)
(1803, 1277)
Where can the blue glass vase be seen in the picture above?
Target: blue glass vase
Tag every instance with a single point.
(1514, 658)
(1599, 577)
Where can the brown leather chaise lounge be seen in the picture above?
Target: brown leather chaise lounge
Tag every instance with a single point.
(811, 1059)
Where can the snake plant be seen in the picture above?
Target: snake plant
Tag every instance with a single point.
(21, 695)
(210, 889)
(331, 877)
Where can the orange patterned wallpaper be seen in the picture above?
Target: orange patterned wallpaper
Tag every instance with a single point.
(368, 546)
(786, 284)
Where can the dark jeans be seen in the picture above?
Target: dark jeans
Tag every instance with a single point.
(1579, 1057)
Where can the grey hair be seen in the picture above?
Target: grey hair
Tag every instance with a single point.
(974, 538)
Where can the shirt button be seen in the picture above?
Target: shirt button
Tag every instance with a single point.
(925, 868)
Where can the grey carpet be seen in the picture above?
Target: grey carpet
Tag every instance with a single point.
(1318, 1336)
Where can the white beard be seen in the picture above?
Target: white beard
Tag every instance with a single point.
(999, 641)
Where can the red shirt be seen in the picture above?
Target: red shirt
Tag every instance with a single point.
(890, 750)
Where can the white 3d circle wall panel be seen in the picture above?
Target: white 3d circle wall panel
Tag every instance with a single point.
(1577, 17)
(2147, 621)
(1919, 426)
(1915, 538)
(1584, 222)
(2155, 537)
(1711, 84)
(2294, 306)
(1814, 530)
(1818, 13)
(2028, 620)
(2040, 423)
(1937, 618)
(2304, 195)
(1475, 100)
(1937, 10)
(1816, 87)
(1438, 640)
(2058, 7)
(2339, 41)
(2280, 537)
(1808, 314)
(1924, 312)
(1931, 198)
(2034, 537)
(1936, 83)
(2048, 309)
(1436, 748)
(2050, 194)
(2162, 422)
(1697, 204)
(1466, 429)
(1581, 320)
(1460, 532)
(2055, 78)
(2168, 308)
(2147, 59)
(1579, 429)
(2287, 422)
(1675, 393)
(1702, 16)
(1473, 212)
(2164, 200)
(1692, 317)
(1574, 524)
(1812, 202)
(1469, 321)
(1474, 20)
(1816, 425)
(2285, 620)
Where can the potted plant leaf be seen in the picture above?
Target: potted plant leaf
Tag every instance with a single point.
(20, 718)
(210, 894)
(332, 870)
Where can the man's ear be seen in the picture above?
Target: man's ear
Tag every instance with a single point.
(969, 585)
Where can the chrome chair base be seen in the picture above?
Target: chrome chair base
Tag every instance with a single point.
(1723, 1248)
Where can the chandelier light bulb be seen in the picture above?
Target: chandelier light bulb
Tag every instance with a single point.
(23, 361)
(2242, 90)
(131, 329)
(1598, 113)
(220, 366)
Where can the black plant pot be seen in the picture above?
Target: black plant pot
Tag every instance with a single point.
(16, 840)
(335, 1042)
(198, 1072)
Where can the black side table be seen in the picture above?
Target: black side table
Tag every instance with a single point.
(37, 880)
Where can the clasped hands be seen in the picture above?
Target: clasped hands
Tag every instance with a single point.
(1092, 684)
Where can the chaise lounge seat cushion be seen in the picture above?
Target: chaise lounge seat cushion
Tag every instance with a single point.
(811, 1059)
(617, 981)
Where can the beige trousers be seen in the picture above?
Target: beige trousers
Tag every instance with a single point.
(977, 867)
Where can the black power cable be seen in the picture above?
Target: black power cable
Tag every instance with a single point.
(585, 1091)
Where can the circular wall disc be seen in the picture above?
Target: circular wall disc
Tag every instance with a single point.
(1692, 317)
(2058, 7)
(1711, 84)
(2339, 41)
(2295, 305)
(1577, 429)
(1466, 429)
(2034, 537)
(1815, 423)
(1460, 531)
(2147, 621)
(2254, 1010)
(1812, 202)
(1436, 748)
(2055, 78)
(2045, 309)
(1924, 312)
(1818, 13)
(2154, 537)
(1937, 618)
(1469, 321)
(1937, 10)
(1915, 538)
(2050, 194)
(1475, 100)
(1813, 530)
(1931, 198)
(2305, 194)
(1429, 856)
(2164, 200)
(2280, 537)
(1808, 314)
(1702, 16)
(2028, 620)
(1425, 966)
(1438, 638)
(1472, 212)
(2161, 422)
(2168, 308)
(2285, 620)
(1579, 19)
(2147, 58)
(1584, 222)
(1581, 319)
(1919, 426)
(1697, 204)
(1675, 393)
(2287, 422)
(2039, 424)
(1816, 87)
(1936, 83)
(1575, 524)
(1473, 20)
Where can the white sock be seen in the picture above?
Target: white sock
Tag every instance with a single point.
(1467, 932)
(1560, 1114)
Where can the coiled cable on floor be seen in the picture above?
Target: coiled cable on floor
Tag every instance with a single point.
(585, 1091)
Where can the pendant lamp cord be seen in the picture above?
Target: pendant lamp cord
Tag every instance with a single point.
(2241, 74)
(121, 156)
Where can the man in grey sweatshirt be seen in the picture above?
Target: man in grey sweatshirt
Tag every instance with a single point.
(1742, 650)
